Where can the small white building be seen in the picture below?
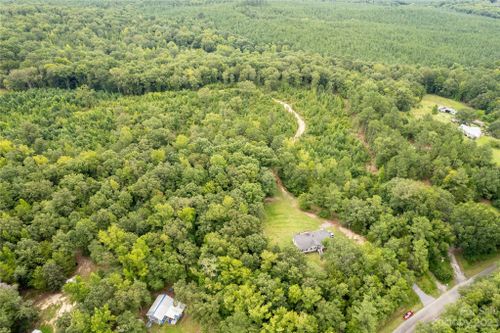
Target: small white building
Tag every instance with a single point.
(471, 132)
(165, 309)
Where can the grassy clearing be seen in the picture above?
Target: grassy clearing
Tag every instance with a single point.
(284, 219)
(46, 329)
(428, 284)
(186, 325)
(396, 319)
(429, 101)
(488, 140)
(315, 262)
(471, 268)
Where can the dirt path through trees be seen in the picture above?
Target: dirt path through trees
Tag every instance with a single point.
(300, 131)
(457, 271)
(300, 121)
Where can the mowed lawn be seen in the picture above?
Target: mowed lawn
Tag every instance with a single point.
(471, 268)
(186, 325)
(429, 101)
(284, 219)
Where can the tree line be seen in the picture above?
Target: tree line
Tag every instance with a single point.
(149, 144)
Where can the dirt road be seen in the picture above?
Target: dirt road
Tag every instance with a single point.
(300, 131)
(459, 275)
(300, 121)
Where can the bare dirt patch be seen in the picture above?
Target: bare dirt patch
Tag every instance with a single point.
(85, 266)
(54, 305)
(347, 232)
(59, 301)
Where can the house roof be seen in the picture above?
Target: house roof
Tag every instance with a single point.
(164, 305)
(472, 131)
(308, 239)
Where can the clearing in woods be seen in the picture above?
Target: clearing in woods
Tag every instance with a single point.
(284, 219)
(51, 306)
(283, 215)
(429, 101)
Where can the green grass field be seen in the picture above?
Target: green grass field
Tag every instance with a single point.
(186, 325)
(427, 283)
(429, 101)
(284, 219)
(471, 268)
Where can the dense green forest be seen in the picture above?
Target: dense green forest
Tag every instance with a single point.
(376, 32)
(489, 8)
(144, 136)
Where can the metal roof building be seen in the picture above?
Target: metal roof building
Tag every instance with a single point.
(165, 309)
(472, 132)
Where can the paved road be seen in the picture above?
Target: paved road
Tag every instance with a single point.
(433, 310)
(424, 298)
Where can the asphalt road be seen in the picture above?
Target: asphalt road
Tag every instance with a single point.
(432, 311)
(424, 298)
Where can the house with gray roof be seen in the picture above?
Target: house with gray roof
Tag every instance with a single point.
(165, 309)
(311, 241)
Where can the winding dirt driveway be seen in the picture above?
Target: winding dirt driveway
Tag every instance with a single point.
(300, 121)
(300, 131)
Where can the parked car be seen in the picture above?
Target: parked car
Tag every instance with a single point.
(408, 315)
